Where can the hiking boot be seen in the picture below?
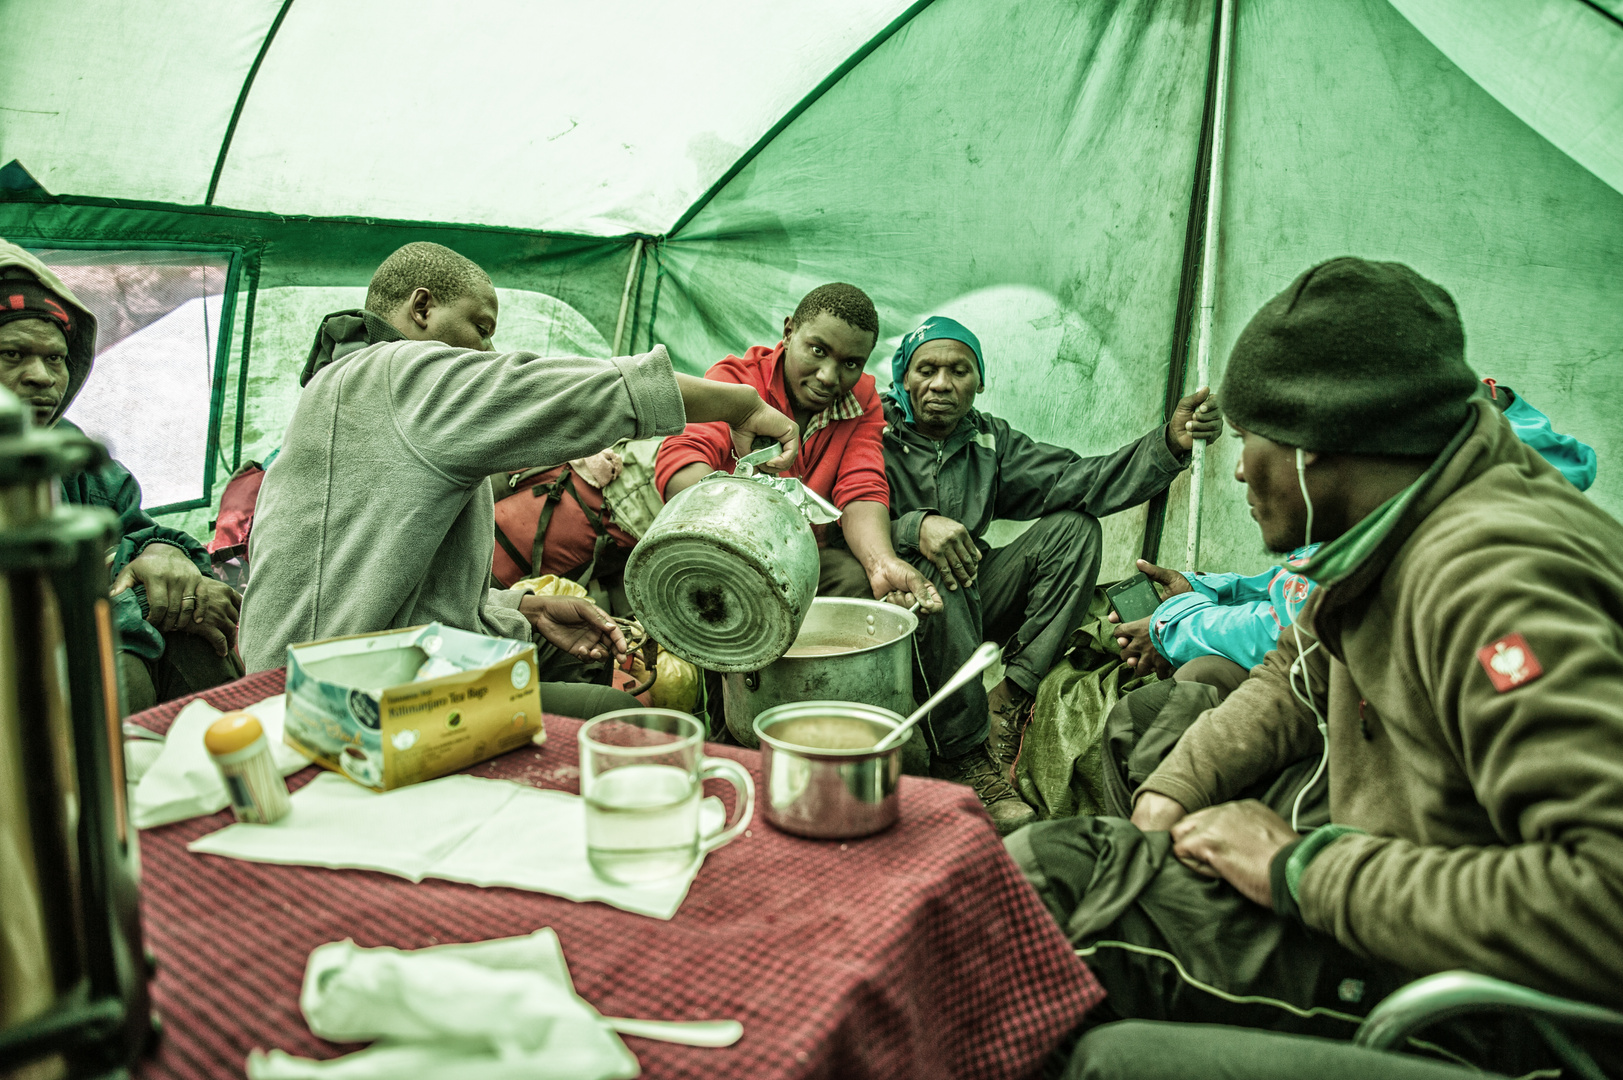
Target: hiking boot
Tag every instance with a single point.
(1002, 802)
(1009, 710)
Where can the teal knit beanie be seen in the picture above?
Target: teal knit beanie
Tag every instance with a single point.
(1356, 357)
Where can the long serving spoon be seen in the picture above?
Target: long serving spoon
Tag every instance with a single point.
(979, 661)
(708, 1033)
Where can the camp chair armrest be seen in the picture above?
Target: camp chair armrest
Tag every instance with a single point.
(1450, 994)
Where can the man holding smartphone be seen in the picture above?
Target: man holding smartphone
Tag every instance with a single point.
(952, 470)
(1452, 688)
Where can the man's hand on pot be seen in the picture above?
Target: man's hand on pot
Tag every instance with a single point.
(767, 421)
(1196, 417)
(948, 544)
(896, 581)
(1235, 841)
(169, 577)
(215, 614)
(578, 627)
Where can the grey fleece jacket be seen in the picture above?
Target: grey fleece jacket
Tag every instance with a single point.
(376, 514)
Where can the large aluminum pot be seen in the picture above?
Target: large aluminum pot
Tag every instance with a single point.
(829, 792)
(725, 574)
(847, 650)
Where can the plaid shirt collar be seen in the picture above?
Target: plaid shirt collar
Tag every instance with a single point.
(845, 407)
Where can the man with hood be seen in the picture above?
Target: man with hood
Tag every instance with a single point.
(952, 470)
(1455, 682)
(377, 513)
(177, 624)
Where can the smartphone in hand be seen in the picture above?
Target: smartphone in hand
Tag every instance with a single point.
(1134, 599)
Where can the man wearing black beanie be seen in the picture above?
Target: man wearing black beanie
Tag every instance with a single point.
(1455, 686)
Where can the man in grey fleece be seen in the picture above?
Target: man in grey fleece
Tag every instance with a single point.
(376, 514)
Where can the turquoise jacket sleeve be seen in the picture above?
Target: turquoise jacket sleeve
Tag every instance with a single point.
(1230, 615)
(1576, 460)
(1233, 588)
(1191, 625)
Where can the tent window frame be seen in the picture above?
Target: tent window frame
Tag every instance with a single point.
(239, 258)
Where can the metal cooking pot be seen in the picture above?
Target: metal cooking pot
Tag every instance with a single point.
(829, 794)
(876, 669)
(725, 574)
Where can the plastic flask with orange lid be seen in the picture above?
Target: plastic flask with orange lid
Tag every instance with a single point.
(237, 743)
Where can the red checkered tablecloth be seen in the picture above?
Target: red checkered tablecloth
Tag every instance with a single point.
(916, 953)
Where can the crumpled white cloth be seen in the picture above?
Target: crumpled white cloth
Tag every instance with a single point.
(183, 782)
(461, 828)
(485, 1011)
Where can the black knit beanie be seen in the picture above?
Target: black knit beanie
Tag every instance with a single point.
(1356, 357)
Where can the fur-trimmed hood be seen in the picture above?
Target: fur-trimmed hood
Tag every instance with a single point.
(81, 342)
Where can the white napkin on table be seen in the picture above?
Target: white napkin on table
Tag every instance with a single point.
(461, 828)
(486, 1011)
(184, 782)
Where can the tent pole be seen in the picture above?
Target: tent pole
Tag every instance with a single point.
(625, 297)
(1208, 271)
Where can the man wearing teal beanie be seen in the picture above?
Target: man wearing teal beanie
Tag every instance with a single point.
(952, 469)
(1452, 691)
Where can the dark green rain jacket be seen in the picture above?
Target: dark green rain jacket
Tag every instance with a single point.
(986, 470)
(111, 486)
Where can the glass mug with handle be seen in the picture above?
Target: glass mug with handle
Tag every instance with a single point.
(642, 773)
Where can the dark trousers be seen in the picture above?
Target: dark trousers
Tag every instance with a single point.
(188, 666)
(1029, 596)
(1145, 725)
(1170, 944)
(1144, 1050)
(839, 574)
(578, 688)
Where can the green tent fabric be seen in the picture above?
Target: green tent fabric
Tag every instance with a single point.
(918, 184)
(1386, 149)
(683, 173)
(1060, 772)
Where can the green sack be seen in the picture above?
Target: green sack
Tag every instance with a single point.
(1060, 772)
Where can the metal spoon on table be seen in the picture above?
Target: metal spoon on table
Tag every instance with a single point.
(981, 659)
(707, 1033)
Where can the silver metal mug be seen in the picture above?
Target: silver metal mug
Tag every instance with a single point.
(829, 794)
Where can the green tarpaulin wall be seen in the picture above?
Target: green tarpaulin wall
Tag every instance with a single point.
(1026, 166)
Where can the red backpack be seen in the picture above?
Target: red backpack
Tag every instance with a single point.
(228, 551)
(550, 521)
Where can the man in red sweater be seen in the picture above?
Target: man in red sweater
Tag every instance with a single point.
(815, 375)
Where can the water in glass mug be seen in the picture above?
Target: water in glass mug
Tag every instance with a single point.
(642, 823)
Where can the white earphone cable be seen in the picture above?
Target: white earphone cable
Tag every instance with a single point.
(1301, 656)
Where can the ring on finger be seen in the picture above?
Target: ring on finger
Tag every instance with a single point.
(188, 600)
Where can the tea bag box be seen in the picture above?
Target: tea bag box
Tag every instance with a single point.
(403, 706)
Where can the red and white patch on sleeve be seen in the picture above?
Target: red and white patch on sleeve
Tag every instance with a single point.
(1509, 662)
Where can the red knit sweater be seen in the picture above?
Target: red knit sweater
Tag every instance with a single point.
(843, 461)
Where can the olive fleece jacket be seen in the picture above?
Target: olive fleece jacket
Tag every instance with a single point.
(1494, 817)
(377, 514)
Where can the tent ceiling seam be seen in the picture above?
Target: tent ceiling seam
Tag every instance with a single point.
(103, 202)
(846, 67)
(242, 100)
(1602, 12)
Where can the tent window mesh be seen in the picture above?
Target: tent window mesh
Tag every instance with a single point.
(154, 394)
